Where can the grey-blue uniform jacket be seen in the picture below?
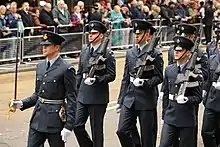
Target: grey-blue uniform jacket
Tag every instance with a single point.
(180, 115)
(212, 101)
(57, 83)
(201, 62)
(144, 97)
(98, 93)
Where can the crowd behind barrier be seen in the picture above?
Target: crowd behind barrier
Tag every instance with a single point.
(30, 45)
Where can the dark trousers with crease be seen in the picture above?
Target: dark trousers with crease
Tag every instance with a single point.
(148, 127)
(37, 139)
(176, 143)
(96, 113)
(210, 127)
(170, 133)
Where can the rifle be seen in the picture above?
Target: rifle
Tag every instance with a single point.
(141, 63)
(94, 62)
(184, 78)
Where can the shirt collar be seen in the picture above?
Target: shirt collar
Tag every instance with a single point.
(182, 65)
(96, 46)
(141, 47)
(53, 60)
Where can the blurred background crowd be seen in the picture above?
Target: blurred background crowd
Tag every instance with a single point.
(44, 14)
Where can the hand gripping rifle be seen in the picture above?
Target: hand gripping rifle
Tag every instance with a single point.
(141, 64)
(94, 62)
(18, 47)
(184, 78)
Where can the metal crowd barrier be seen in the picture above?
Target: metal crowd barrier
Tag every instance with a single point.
(30, 48)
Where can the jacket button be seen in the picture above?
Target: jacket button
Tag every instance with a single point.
(42, 91)
(45, 75)
(43, 83)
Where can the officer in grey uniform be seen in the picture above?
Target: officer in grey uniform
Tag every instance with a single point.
(211, 117)
(179, 117)
(138, 96)
(189, 31)
(93, 92)
(54, 97)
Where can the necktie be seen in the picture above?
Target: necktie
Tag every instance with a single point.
(48, 65)
(139, 50)
(91, 51)
(179, 69)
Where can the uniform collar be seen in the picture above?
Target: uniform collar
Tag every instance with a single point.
(53, 60)
(96, 46)
(181, 65)
(141, 47)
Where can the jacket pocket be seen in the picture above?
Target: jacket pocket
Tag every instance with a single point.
(53, 118)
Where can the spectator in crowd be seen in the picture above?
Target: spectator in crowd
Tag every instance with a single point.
(140, 13)
(217, 12)
(116, 18)
(193, 13)
(13, 17)
(126, 23)
(208, 21)
(180, 11)
(4, 30)
(36, 14)
(170, 9)
(80, 4)
(146, 11)
(120, 3)
(76, 19)
(155, 12)
(95, 14)
(27, 18)
(202, 9)
(46, 16)
(61, 16)
(133, 8)
(8, 6)
(42, 4)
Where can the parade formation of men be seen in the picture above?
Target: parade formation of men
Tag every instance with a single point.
(64, 99)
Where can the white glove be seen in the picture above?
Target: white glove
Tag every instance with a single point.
(89, 81)
(17, 104)
(160, 97)
(138, 82)
(65, 133)
(204, 93)
(216, 85)
(162, 122)
(118, 108)
(181, 99)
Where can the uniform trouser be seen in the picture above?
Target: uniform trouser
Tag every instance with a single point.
(37, 139)
(148, 126)
(136, 137)
(170, 133)
(96, 113)
(208, 33)
(211, 123)
(176, 143)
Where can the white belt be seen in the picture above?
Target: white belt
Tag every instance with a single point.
(171, 97)
(132, 79)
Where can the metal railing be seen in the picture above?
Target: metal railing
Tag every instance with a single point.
(30, 46)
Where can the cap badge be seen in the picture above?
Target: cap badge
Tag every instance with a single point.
(178, 41)
(45, 37)
(135, 24)
(92, 25)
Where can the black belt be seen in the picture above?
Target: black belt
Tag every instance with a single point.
(46, 101)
